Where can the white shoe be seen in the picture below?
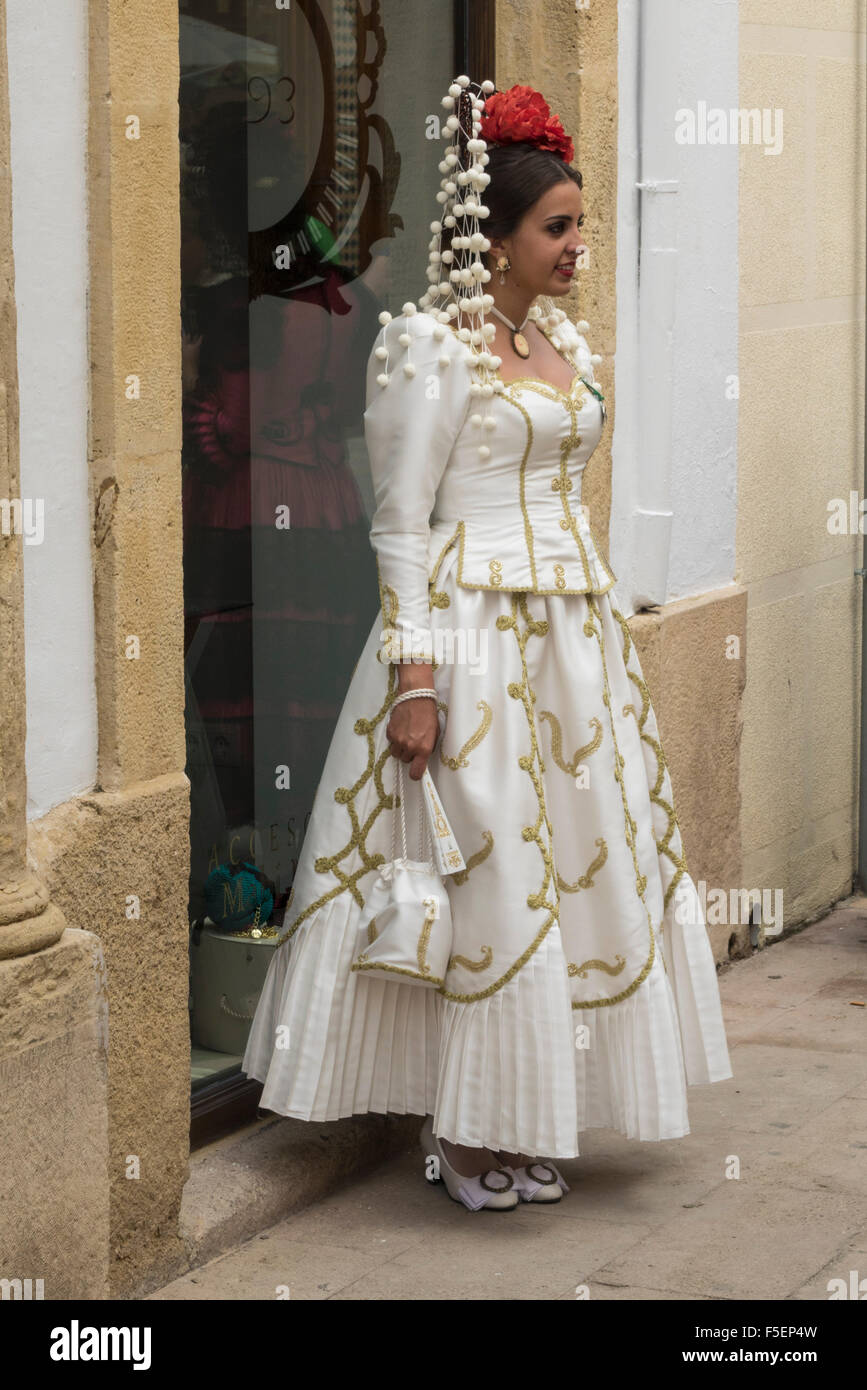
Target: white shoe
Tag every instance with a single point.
(550, 1187)
(495, 1190)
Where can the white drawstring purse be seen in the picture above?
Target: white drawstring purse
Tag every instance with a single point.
(405, 931)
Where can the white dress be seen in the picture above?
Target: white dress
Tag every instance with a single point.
(582, 989)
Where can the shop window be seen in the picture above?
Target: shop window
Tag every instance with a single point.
(305, 210)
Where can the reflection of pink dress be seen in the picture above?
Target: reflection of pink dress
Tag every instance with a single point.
(266, 431)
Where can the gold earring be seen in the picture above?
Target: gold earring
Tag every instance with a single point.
(503, 264)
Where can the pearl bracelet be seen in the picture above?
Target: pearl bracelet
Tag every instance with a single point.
(414, 695)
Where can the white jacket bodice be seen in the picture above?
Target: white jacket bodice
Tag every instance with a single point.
(508, 496)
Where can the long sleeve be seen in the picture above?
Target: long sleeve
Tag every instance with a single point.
(410, 427)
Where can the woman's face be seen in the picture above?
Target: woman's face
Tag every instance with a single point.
(547, 237)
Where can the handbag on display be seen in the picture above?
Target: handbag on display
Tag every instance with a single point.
(235, 893)
(230, 951)
(227, 972)
(405, 932)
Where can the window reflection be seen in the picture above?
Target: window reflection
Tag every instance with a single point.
(290, 188)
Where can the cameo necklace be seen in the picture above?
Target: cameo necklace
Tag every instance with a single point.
(519, 342)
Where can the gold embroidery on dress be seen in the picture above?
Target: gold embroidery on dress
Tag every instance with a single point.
(671, 844)
(557, 742)
(372, 934)
(533, 588)
(390, 607)
(522, 486)
(552, 392)
(496, 568)
(533, 764)
(564, 484)
(593, 628)
(363, 964)
(581, 970)
(569, 398)
(359, 831)
(393, 605)
(448, 545)
(468, 964)
(477, 857)
(429, 918)
(568, 522)
(586, 880)
(460, 758)
(388, 602)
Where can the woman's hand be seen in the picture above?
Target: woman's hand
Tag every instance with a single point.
(413, 727)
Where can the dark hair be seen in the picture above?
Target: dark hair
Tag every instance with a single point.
(520, 174)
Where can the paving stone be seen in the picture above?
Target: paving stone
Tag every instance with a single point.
(643, 1221)
(758, 1237)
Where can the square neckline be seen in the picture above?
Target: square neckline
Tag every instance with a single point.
(566, 394)
(541, 381)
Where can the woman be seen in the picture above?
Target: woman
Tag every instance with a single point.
(579, 992)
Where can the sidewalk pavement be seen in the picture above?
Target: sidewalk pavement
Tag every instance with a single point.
(642, 1220)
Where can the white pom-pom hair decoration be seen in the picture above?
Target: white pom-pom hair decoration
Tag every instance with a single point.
(460, 268)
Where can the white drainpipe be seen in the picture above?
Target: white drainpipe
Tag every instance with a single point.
(641, 517)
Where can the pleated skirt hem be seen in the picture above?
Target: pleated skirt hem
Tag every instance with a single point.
(522, 1070)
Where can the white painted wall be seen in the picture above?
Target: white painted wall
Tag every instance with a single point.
(47, 46)
(674, 486)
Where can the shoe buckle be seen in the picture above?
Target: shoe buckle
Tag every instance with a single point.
(510, 1181)
(552, 1176)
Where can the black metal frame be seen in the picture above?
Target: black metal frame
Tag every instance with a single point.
(475, 38)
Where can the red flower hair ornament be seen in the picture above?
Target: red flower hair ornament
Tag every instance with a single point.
(456, 297)
(523, 115)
